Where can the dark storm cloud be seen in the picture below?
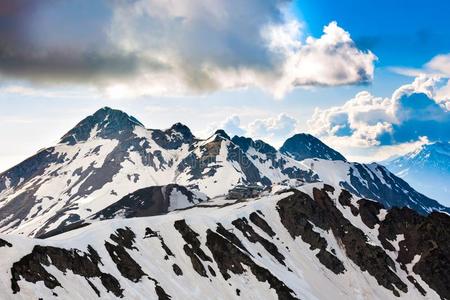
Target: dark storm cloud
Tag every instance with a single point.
(53, 41)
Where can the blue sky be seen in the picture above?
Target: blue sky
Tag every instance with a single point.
(400, 32)
(247, 67)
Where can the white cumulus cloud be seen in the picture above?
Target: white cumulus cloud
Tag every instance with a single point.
(412, 113)
(272, 128)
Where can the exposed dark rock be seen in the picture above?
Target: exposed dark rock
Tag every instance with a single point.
(4, 243)
(369, 211)
(193, 247)
(345, 200)
(427, 236)
(196, 262)
(302, 146)
(368, 257)
(231, 237)
(174, 137)
(63, 229)
(321, 212)
(93, 178)
(247, 230)
(190, 237)
(149, 233)
(251, 172)
(427, 167)
(261, 223)
(177, 270)
(222, 134)
(328, 188)
(303, 175)
(29, 168)
(161, 293)
(230, 259)
(197, 165)
(109, 124)
(95, 258)
(14, 212)
(164, 246)
(126, 265)
(124, 237)
(245, 143)
(206, 164)
(93, 287)
(211, 270)
(417, 285)
(294, 213)
(30, 268)
(150, 201)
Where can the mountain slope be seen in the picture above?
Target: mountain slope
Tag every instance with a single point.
(373, 181)
(322, 243)
(110, 155)
(427, 169)
(219, 163)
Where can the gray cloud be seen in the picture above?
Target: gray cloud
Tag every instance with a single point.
(169, 47)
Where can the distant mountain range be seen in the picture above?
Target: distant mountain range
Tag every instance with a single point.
(427, 169)
(116, 210)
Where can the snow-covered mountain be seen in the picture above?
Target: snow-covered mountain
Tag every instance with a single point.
(372, 181)
(427, 169)
(122, 211)
(313, 242)
(110, 155)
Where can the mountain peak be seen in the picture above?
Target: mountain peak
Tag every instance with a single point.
(302, 146)
(107, 113)
(245, 143)
(181, 128)
(221, 133)
(174, 137)
(106, 123)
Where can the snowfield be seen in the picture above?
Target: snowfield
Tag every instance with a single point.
(301, 271)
